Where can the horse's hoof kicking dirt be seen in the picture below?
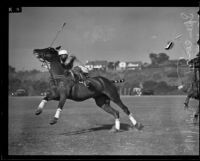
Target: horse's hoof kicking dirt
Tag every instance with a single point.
(139, 126)
(114, 130)
(53, 121)
(38, 111)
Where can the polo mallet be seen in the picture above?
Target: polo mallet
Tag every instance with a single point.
(170, 44)
(51, 46)
(58, 33)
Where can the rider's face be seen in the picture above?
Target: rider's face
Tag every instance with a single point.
(63, 57)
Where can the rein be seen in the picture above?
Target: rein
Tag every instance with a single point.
(51, 74)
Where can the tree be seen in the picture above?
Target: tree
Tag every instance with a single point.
(111, 65)
(154, 58)
(162, 57)
(149, 84)
(116, 64)
(158, 58)
(34, 71)
(14, 84)
(39, 86)
(11, 69)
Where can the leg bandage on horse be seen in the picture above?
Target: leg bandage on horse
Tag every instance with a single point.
(42, 104)
(132, 119)
(57, 115)
(117, 124)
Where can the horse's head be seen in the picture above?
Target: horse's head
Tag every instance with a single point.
(47, 54)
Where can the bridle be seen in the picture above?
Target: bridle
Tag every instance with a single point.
(46, 63)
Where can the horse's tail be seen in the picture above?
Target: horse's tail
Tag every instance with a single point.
(118, 81)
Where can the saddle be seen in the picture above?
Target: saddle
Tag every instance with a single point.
(78, 76)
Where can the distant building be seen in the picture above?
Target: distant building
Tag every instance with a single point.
(98, 64)
(129, 65)
(121, 66)
(118, 65)
(145, 65)
(134, 65)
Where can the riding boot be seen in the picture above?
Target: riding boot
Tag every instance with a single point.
(84, 79)
(87, 83)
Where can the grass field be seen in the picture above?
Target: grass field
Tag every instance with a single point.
(83, 128)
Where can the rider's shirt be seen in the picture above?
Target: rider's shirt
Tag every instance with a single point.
(69, 62)
(72, 62)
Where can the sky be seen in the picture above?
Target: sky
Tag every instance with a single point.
(99, 33)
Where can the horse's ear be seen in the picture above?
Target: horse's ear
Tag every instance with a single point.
(58, 48)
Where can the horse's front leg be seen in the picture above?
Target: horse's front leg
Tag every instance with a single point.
(59, 109)
(41, 106)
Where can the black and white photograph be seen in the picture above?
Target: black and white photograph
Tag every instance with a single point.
(103, 81)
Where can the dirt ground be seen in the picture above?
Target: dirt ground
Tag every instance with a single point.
(83, 128)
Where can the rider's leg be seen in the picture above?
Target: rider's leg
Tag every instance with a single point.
(84, 74)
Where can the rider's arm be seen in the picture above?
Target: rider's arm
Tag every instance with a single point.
(70, 61)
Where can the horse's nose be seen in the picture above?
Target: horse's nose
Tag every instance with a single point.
(35, 52)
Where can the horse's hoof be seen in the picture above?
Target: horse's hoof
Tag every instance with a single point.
(53, 121)
(139, 126)
(113, 130)
(38, 111)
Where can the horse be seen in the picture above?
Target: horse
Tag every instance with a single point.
(193, 90)
(63, 87)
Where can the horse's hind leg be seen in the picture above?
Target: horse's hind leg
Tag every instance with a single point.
(116, 98)
(104, 102)
(135, 123)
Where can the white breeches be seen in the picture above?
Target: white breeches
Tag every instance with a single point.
(84, 69)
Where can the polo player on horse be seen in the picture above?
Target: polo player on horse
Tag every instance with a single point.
(103, 92)
(71, 64)
(193, 91)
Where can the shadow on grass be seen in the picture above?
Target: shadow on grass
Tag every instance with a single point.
(123, 127)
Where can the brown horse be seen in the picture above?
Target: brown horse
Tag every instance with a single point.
(64, 87)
